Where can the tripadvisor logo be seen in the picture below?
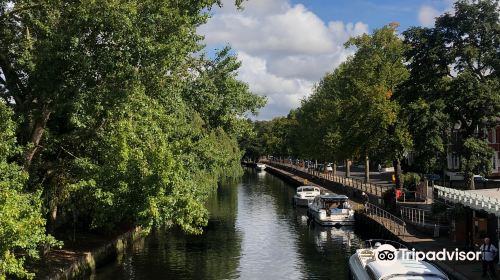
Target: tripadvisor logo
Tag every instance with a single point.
(387, 254)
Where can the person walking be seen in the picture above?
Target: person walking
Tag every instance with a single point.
(488, 256)
(365, 198)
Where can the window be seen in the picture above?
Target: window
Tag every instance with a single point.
(494, 135)
(456, 161)
(495, 161)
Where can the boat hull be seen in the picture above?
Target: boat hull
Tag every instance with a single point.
(356, 270)
(332, 220)
(260, 167)
(304, 202)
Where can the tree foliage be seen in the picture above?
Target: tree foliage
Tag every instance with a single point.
(120, 118)
(455, 74)
(431, 92)
(22, 226)
(352, 112)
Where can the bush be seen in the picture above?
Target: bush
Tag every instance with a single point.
(411, 180)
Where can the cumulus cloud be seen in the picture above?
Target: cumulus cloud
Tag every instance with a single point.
(285, 49)
(282, 93)
(427, 15)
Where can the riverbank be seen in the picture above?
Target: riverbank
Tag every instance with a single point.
(80, 259)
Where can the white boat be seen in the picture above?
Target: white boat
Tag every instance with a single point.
(305, 195)
(367, 263)
(260, 166)
(331, 210)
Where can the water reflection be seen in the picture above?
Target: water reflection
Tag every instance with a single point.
(253, 233)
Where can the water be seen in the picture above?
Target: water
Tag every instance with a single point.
(253, 233)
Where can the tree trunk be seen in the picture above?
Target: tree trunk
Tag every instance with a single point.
(471, 183)
(348, 168)
(399, 173)
(367, 169)
(52, 218)
(334, 167)
(36, 136)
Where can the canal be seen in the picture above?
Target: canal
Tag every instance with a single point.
(253, 233)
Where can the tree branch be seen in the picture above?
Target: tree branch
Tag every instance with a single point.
(19, 10)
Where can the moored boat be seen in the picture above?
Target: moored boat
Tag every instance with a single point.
(305, 195)
(260, 166)
(382, 259)
(331, 210)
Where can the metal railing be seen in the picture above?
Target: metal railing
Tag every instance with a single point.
(396, 225)
(390, 221)
(359, 184)
(473, 200)
(417, 196)
(414, 215)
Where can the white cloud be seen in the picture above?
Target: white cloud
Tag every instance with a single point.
(284, 48)
(282, 93)
(427, 15)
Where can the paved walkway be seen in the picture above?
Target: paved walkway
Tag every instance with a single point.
(414, 238)
(370, 188)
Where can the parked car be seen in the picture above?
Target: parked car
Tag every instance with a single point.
(329, 168)
(480, 179)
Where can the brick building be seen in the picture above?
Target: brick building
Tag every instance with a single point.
(453, 160)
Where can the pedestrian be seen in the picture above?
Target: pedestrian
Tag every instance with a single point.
(365, 198)
(379, 168)
(488, 255)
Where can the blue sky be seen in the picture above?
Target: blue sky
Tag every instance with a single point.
(286, 46)
(375, 13)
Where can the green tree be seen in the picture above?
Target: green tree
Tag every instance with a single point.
(454, 70)
(318, 129)
(372, 118)
(22, 226)
(120, 119)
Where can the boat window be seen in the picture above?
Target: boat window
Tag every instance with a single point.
(335, 204)
(331, 204)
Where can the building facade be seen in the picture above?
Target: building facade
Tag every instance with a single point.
(453, 160)
(494, 142)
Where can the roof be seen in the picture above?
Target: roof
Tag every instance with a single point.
(401, 267)
(333, 197)
(482, 200)
(492, 193)
(309, 188)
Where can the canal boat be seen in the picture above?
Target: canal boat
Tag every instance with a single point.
(367, 263)
(305, 195)
(331, 210)
(260, 166)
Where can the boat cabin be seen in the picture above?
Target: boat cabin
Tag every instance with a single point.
(308, 189)
(329, 201)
